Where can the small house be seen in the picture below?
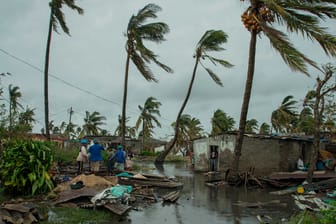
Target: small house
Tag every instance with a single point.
(262, 153)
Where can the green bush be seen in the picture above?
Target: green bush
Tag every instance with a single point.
(65, 156)
(24, 167)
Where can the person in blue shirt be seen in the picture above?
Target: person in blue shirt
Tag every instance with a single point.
(95, 157)
(120, 157)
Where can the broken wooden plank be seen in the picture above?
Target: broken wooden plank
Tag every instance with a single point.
(171, 196)
(117, 208)
(149, 182)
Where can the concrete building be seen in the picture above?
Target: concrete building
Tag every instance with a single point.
(264, 154)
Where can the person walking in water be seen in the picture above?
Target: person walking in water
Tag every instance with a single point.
(120, 157)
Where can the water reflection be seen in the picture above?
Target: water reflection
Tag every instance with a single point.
(199, 203)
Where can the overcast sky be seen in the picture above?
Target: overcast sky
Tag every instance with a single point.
(87, 68)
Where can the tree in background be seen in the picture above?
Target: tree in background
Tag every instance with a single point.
(211, 41)
(56, 18)
(189, 129)
(147, 118)
(265, 129)
(284, 117)
(316, 99)
(251, 126)
(221, 122)
(14, 96)
(92, 123)
(137, 32)
(129, 131)
(267, 17)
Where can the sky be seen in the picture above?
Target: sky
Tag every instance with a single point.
(87, 68)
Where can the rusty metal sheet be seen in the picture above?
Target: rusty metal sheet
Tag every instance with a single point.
(16, 207)
(68, 195)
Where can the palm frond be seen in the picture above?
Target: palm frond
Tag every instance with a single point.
(149, 11)
(291, 56)
(214, 76)
(143, 68)
(153, 31)
(212, 40)
(220, 61)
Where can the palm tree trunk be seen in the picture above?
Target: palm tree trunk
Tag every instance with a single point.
(160, 159)
(123, 116)
(245, 105)
(46, 72)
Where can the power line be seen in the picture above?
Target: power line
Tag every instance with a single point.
(57, 78)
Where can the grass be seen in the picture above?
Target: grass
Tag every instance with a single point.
(60, 215)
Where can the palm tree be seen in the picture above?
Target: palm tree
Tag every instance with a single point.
(221, 122)
(56, 18)
(26, 118)
(264, 129)
(283, 117)
(147, 117)
(14, 95)
(299, 17)
(129, 131)
(306, 121)
(92, 123)
(211, 41)
(141, 56)
(251, 126)
(189, 128)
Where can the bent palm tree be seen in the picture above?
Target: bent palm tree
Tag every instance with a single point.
(299, 17)
(137, 32)
(211, 41)
(56, 18)
(283, 117)
(221, 122)
(147, 117)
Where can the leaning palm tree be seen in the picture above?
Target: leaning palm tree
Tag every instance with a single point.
(149, 111)
(298, 17)
(141, 56)
(282, 118)
(211, 41)
(56, 18)
(221, 122)
(14, 95)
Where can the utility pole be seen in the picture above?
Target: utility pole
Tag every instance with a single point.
(70, 111)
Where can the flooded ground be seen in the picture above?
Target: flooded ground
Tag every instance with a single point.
(202, 204)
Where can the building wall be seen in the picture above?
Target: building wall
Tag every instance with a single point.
(263, 155)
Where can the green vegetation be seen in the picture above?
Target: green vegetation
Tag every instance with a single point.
(24, 167)
(323, 217)
(75, 216)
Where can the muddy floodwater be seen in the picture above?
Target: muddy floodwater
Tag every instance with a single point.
(201, 204)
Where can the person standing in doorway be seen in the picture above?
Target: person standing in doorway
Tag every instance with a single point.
(96, 157)
(213, 159)
(82, 156)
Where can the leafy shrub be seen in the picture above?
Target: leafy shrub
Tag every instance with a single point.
(24, 167)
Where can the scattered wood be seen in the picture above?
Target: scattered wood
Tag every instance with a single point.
(19, 213)
(171, 196)
(301, 175)
(153, 182)
(259, 204)
(117, 208)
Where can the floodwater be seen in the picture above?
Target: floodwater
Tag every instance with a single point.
(201, 204)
